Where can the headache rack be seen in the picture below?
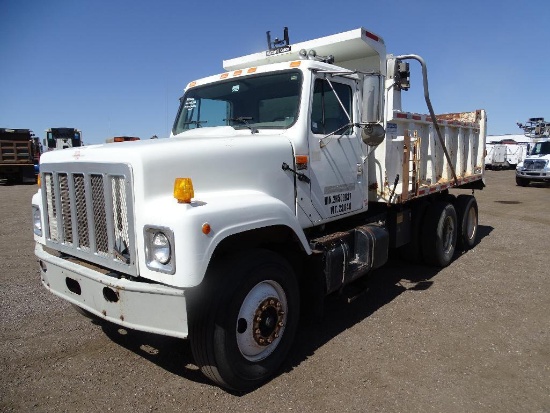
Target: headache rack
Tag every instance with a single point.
(88, 212)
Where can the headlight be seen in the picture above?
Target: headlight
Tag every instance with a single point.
(36, 221)
(159, 249)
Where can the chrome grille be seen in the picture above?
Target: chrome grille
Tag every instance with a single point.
(66, 208)
(100, 217)
(89, 213)
(80, 210)
(534, 165)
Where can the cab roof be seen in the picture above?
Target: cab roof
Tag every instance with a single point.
(356, 49)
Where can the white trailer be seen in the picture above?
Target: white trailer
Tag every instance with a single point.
(496, 156)
(515, 154)
(286, 178)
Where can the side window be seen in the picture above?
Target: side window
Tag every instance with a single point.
(327, 114)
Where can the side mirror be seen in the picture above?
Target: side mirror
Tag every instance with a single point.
(373, 132)
(372, 99)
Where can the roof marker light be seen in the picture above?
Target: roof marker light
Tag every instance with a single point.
(372, 36)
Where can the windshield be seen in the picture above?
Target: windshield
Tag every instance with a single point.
(253, 102)
(541, 148)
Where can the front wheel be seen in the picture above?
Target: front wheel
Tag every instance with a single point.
(85, 313)
(243, 322)
(521, 181)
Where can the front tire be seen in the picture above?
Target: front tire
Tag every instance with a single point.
(85, 313)
(243, 323)
(439, 234)
(521, 181)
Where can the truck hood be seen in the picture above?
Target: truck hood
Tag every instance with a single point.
(539, 156)
(216, 159)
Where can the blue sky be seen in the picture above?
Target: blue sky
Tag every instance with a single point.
(118, 67)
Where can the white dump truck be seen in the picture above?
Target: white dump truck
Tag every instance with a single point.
(286, 178)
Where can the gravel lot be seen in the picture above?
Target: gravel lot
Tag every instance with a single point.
(472, 337)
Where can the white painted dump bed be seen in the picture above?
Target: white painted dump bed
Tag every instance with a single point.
(412, 150)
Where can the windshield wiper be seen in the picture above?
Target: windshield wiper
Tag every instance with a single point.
(244, 120)
(195, 122)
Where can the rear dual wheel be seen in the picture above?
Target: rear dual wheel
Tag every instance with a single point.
(467, 215)
(412, 252)
(439, 234)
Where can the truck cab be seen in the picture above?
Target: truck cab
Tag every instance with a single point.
(536, 166)
(305, 98)
(62, 138)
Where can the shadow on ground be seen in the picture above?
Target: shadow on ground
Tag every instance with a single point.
(341, 312)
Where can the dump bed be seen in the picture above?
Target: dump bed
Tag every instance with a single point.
(15, 147)
(411, 162)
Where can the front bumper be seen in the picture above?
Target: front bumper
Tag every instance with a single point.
(142, 306)
(535, 176)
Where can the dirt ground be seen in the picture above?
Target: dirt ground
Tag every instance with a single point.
(473, 337)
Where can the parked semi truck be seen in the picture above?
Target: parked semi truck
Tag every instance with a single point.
(62, 138)
(286, 178)
(19, 155)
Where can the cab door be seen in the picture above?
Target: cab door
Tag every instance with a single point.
(336, 166)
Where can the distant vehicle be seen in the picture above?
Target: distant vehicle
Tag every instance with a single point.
(496, 156)
(515, 153)
(502, 155)
(19, 155)
(62, 138)
(536, 167)
(122, 139)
